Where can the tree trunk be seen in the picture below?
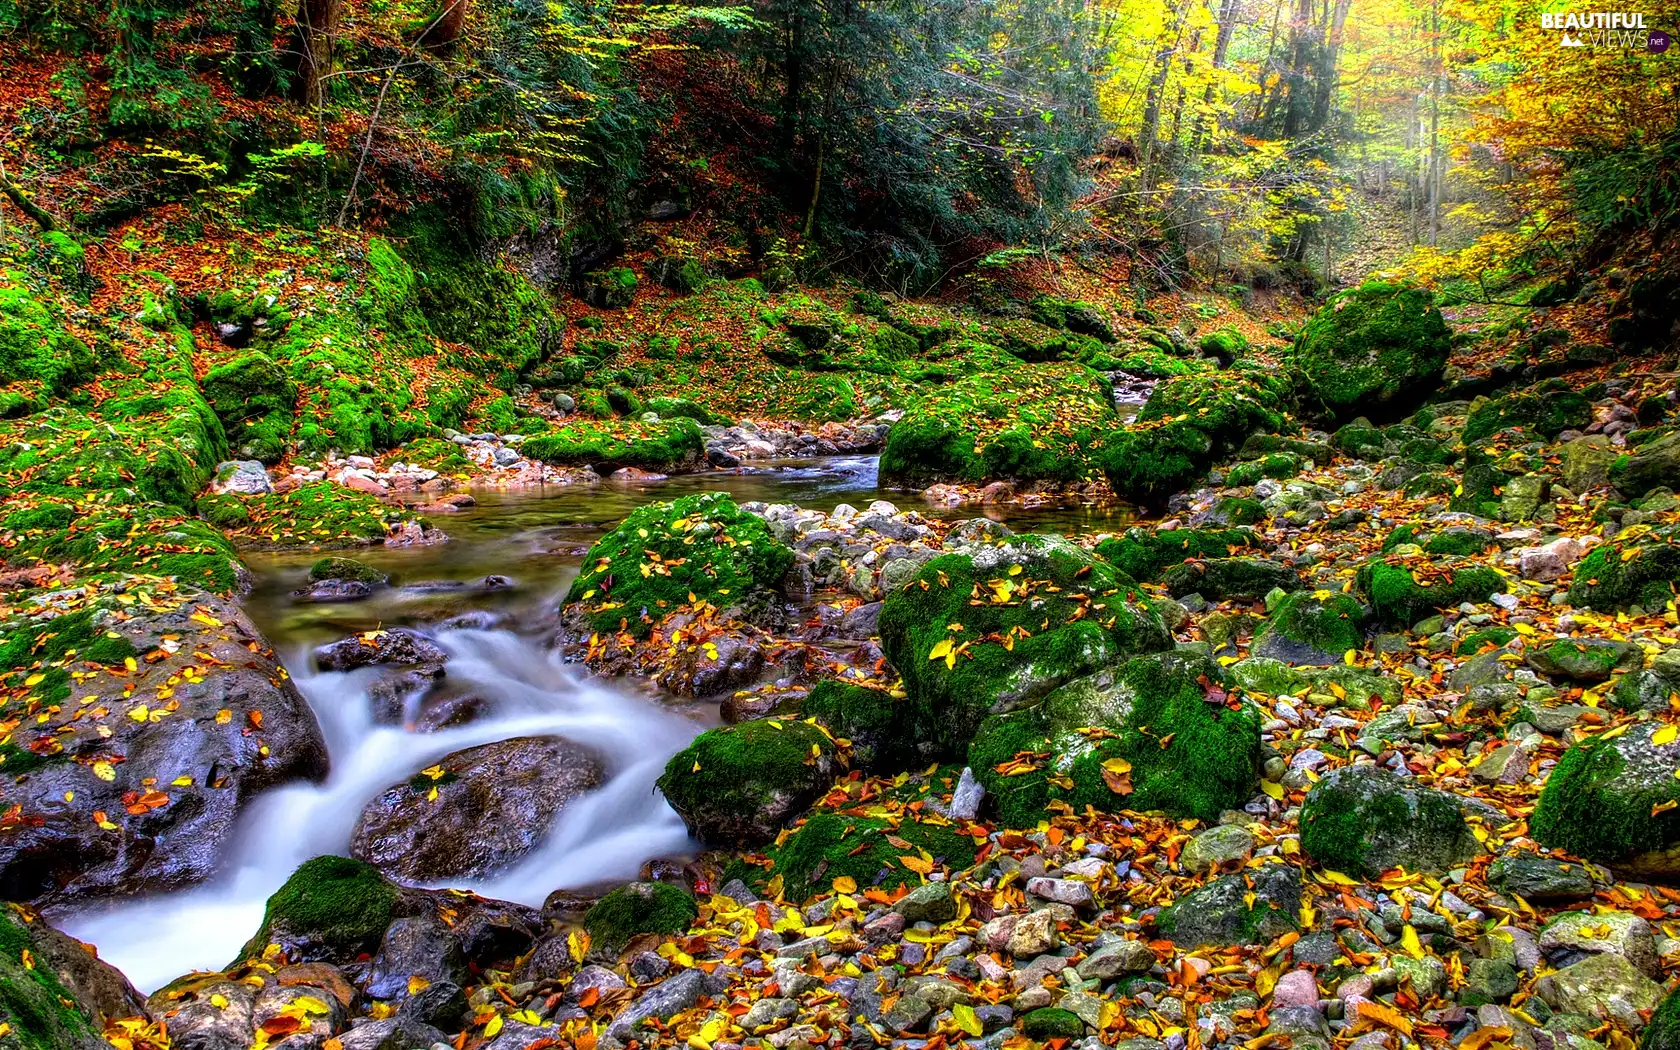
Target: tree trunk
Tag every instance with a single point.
(1157, 86)
(1324, 94)
(1221, 44)
(443, 29)
(1435, 124)
(1266, 66)
(1297, 99)
(317, 26)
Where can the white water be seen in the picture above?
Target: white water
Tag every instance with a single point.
(604, 836)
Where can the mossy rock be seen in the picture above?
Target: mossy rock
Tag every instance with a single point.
(1364, 820)
(38, 1012)
(1495, 637)
(331, 909)
(1401, 595)
(1640, 571)
(1379, 345)
(1144, 554)
(1226, 344)
(1053, 754)
(703, 545)
(1360, 440)
(613, 288)
(1048, 1022)
(1663, 1031)
(1275, 465)
(1078, 317)
(1223, 579)
(319, 514)
(1029, 425)
(345, 569)
(667, 446)
(1548, 410)
(1148, 464)
(995, 628)
(1187, 423)
(35, 345)
(1238, 510)
(1652, 464)
(1258, 446)
(80, 634)
(254, 398)
(1315, 628)
(878, 724)
(1478, 492)
(638, 908)
(1598, 803)
(828, 846)
(680, 274)
(738, 785)
(683, 408)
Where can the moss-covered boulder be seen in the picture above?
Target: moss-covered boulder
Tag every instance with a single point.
(345, 569)
(1583, 659)
(1546, 410)
(1144, 554)
(664, 555)
(1663, 1031)
(34, 344)
(1601, 803)
(1049, 1022)
(1158, 732)
(995, 628)
(331, 909)
(738, 785)
(612, 288)
(1147, 462)
(1377, 347)
(1249, 908)
(1221, 579)
(1029, 425)
(254, 398)
(1403, 592)
(1638, 570)
(1649, 466)
(638, 908)
(828, 846)
(668, 446)
(1364, 820)
(37, 1010)
(1315, 628)
(877, 722)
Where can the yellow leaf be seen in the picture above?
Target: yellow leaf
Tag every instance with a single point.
(129, 662)
(916, 864)
(1117, 766)
(941, 649)
(494, 1026)
(966, 1019)
(208, 621)
(104, 771)
(1387, 1016)
(138, 713)
(1409, 941)
(845, 884)
(1665, 735)
(223, 717)
(418, 984)
(1272, 789)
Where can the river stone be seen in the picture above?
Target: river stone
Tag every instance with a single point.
(244, 477)
(662, 1001)
(393, 1033)
(1584, 659)
(1224, 914)
(1542, 880)
(929, 903)
(1217, 847)
(417, 946)
(1364, 820)
(1605, 986)
(1577, 932)
(1586, 462)
(212, 1016)
(398, 645)
(1597, 803)
(201, 767)
(495, 803)
(99, 988)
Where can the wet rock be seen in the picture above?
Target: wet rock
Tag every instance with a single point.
(1364, 820)
(739, 784)
(213, 1016)
(1597, 803)
(241, 477)
(661, 1002)
(494, 804)
(1583, 659)
(1574, 934)
(187, 769)
(932, 902)
(1218, 847)
(1606, 986)
(398, 645)
(393, 1033)
(442, 1005)
(1542, 880)
(1224, 913)
(420, 946)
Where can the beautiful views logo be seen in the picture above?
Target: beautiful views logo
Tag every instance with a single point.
(1606, 29)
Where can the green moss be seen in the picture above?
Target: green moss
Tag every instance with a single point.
(1227, 343)
(1377, 345)
(39, 1011)
(1478, 492)
(1663, 1030)
(736, 772)
(876, 722)
(1324, 622)
(319, 514)
(683, 408)
(1590, 809)
(337, 908)
(1143, 553)
(1047, 1022)
(1351, 823)
(34, 344)
(1460, 542)
(16, 761)
(1398, 599)
(1546, 410)
(225, 511)
(828, 846)
(669, 445)
(254, 399)
(345, 569)
(1146, 465)
(1240, 510)
(1187, 423)
(1360, 440)
(1027, 618)
(702, 545)
(1039, 425)
(1476, 641)
(1621, 573)
(1209, 763)
(73, 634)
(436, 454)
(640, 907)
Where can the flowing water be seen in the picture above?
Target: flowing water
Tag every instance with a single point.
(537, 537)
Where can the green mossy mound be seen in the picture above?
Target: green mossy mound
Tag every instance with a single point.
(1597, 803)
(828, 846)
(883, 737)
(1403, 593)
(637, 908)
(1144, 554)
(330, 909)
(1650, 465)
(683, 408)
(1363, 820)
(702, 546)
(668, 446)
(319, 514)
(1640, 571)
(107, 533)
(1276, 465)
(1026, 425)
(1663, 1031)
(253, 398)
(737, 785)
(1378, 346)
(1224, 579)
(345, 569)
(1209, 763)
(1148, 464)
(37, 1010)
(34, 344)
(1546, 410)
(995, 628)
(1314, 628)
(1048, 1022)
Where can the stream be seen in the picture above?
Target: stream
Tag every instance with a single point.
(538, 537)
